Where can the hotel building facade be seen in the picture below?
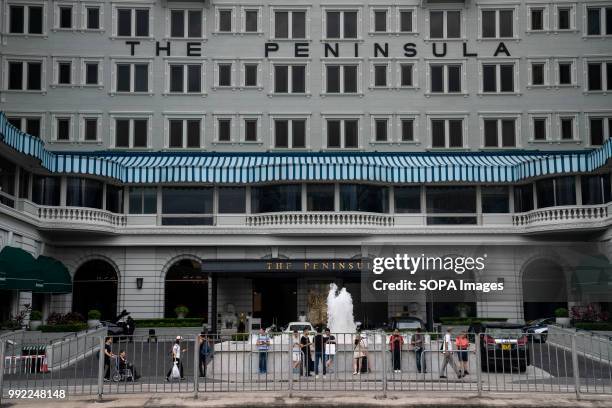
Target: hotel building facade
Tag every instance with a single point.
(238, 156)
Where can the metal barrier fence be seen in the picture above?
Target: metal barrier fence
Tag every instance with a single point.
(284, 362)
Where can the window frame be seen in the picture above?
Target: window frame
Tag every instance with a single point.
(84, 17)
(184, 62)
(251, 61)
(606, 117)
(445, 37)
(545, 18)
(83, 117)
(548, 125)
(414, 117)
(84, 62)
(244, 117)
(290, 118)
(415, 73)
(388, 118)
(57, 6)
(603, 61)
(186, 10)
(342, 118)
(602, 20)
(575, 117)
(273, 62)
(57, 61)
(498, 8)
(243, 13)
(131, 117)
(184, 117)
(388, 63)
(498, 61)
(573, 72)
(133, 7)
(500, 117)
(342, 9)
(132, 62)
(24, 60)
(398, 24)
(55, 117)
(572, 17)
(289, 10)
(23, 116)
(26, 18)
(463, 117)
(218, 10)
(342, 62)
(546, 72)
(445, 63)
(388, 20)
(217, 117)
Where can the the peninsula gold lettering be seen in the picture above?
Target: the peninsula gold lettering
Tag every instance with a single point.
(329, 49)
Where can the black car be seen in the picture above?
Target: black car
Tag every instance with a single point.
(504, 347)
(538, 329)
(407, 323)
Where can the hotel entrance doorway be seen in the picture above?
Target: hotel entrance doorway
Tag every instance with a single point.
(275, 300)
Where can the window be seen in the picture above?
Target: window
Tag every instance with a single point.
(184, 133)
(498, 78)
(406, 75)
(341, 24)
(132, 22)
(556, 191)
(224, 20)
(30, 125)
(455, 204)
(444, 24)
(341, 79)
(90, 129)
(537, 19)
(407, 199)
(46, 190)
(523, 198)
(380, 75)
(224, 130)
(250, 130)
(540, 129)
(446, 133)
(185, 78)
(25, 75)
(132, 77)
(497, 23)
(82, 192)
(64, 73)
(538, 76)
(445, 78)
(251, 21)
(289, 78)
(599, 21)
(566, 76)
(500, 133)
(131, 133)
(224, 74)
(250, 74)
(564, 18)
(364, 198)
(595, 189)
(26, 19)
(320, 197)
(289, 133)
(599, 76)
(92, 18)
(63, 128)
(379, 18)
(567, 128)
(92, 73)
(407, 130)
(186, 23)
(290, 24)
(231, 200)
(64, 17)
(142, 200)
(495, 199)
(276, 198)
(381, 130)
(114, 199)
(342, 133)
(405, 21)
(599, 130)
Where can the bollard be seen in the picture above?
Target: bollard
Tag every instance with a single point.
(101, 357)
(575, 367)
(196, 366)
(478, 365)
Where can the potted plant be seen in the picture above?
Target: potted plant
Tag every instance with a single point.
(562, 317)
(35, 319)
(93, 318)
(462, 309)
(181, 311)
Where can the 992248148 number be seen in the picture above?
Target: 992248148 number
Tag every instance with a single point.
(36, 394)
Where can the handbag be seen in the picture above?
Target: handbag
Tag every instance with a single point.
(176, 373)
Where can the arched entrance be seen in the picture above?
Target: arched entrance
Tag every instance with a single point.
(544, 289)
(186, 285)
(95, 286)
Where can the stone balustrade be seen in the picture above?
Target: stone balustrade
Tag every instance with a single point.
(555, 215)
(319, 218)
(80, 215)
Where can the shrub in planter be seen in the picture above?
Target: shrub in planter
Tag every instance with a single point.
(181, 311)
(561, 312)
(35, 319)
(68, 327)
(93, 318)
(562, 317)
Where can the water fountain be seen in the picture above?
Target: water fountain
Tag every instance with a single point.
(340, 311)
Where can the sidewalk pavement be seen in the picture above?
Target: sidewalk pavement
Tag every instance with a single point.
(325, 399)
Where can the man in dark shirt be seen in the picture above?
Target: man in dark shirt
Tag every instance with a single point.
(305, 342)
(319, 344)
(108, 353)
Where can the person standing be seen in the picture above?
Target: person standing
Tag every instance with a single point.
(360, 352)
(319, 346)
(263, 346)
(206, 352)
(330, 349)
(447, 354)
(306, 356)
(296, 353)
(176, 358)
(418, 343)
(396, 341)
(463, 344)
(108, 354)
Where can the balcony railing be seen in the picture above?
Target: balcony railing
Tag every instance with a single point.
(81, 215)
(320, 218)
(555, 215)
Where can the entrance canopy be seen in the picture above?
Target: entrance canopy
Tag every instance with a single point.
(387, 167)
(22, 272)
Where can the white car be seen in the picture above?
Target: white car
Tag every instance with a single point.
(299, 326)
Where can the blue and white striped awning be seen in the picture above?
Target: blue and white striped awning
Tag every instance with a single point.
(230, 168)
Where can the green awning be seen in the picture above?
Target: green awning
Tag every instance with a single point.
(54, 274)
(19, 270)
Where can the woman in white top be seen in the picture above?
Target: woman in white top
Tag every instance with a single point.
(360, 351)
(176, 358)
